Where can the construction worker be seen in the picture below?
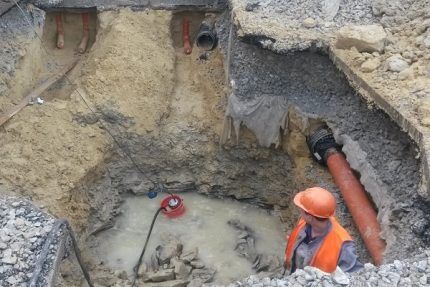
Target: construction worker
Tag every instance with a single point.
(318, 239)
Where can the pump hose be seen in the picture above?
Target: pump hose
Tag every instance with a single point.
(46, 249)
(136, 268)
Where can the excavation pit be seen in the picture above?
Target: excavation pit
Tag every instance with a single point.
(166, 111)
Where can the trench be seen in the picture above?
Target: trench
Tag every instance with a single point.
(167, 110)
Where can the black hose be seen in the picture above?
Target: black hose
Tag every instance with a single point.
(136, 268)
(46, 249)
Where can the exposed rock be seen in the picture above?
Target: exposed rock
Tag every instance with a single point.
(182, 271)
(309, 23)
(171, 283)
(366, 38)
(189, 256)
(159, 276)
(370, 65)
(396, 63)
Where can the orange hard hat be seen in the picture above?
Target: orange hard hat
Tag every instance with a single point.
(316, 201)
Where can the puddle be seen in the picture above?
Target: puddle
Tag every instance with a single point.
(204, 225)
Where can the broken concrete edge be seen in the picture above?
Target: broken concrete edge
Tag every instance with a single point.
(99, 5)
(59, 255)
(420, 137)
(326, 45)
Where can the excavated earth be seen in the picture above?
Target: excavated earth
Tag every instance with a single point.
(167, 110)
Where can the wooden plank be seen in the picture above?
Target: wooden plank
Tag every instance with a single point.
(35, 93)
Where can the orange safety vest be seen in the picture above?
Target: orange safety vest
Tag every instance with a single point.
(327, 255)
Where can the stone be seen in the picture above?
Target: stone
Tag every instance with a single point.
(190, 255)
(197, 264)
(329, 9)
(340, 277)
(422, 265)
(396, 63)
(171, 283)
(8, 258)
(423, 280)
(370, 65)
(182, 271)
(206, 274)
(406, 74)
(195, 283)
(365, 38)
(159, 276)
(309, 23)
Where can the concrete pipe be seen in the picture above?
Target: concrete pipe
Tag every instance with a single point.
(325, 150)
(206, 37)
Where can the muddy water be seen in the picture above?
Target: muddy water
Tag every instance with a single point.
(204, 225)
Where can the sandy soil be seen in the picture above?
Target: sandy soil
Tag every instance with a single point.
(47, 151)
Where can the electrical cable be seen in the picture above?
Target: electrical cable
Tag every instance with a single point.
(157, 186)
(47, 248)
(136, 268)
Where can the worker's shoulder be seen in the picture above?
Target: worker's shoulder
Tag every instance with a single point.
(339, 231)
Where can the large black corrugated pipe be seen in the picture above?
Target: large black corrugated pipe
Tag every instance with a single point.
(207, 38)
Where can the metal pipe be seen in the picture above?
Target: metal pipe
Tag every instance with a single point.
(325, 150)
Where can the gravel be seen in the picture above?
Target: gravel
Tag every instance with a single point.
(411, 272)
(23, 230)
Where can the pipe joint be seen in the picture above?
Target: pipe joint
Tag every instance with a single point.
(322, 144)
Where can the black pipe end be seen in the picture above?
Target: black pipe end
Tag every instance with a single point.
(206, 37)
(321, 143)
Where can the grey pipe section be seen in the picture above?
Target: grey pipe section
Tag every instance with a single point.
(206, 37)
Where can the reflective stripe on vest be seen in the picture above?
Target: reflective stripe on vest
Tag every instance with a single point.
(327, 255)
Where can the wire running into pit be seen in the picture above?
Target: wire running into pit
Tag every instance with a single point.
(157, 186)
(47, 248)
(139, 262)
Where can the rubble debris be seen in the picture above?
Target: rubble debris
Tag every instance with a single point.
(23, 230)
(365, 38)
(411, 272)
(159, 275)
(397, 63)
(245, 247)
(309, 22)
(370, 65)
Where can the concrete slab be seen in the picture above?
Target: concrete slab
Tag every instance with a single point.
(101, 5)
(5, 5)
(282, 31)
